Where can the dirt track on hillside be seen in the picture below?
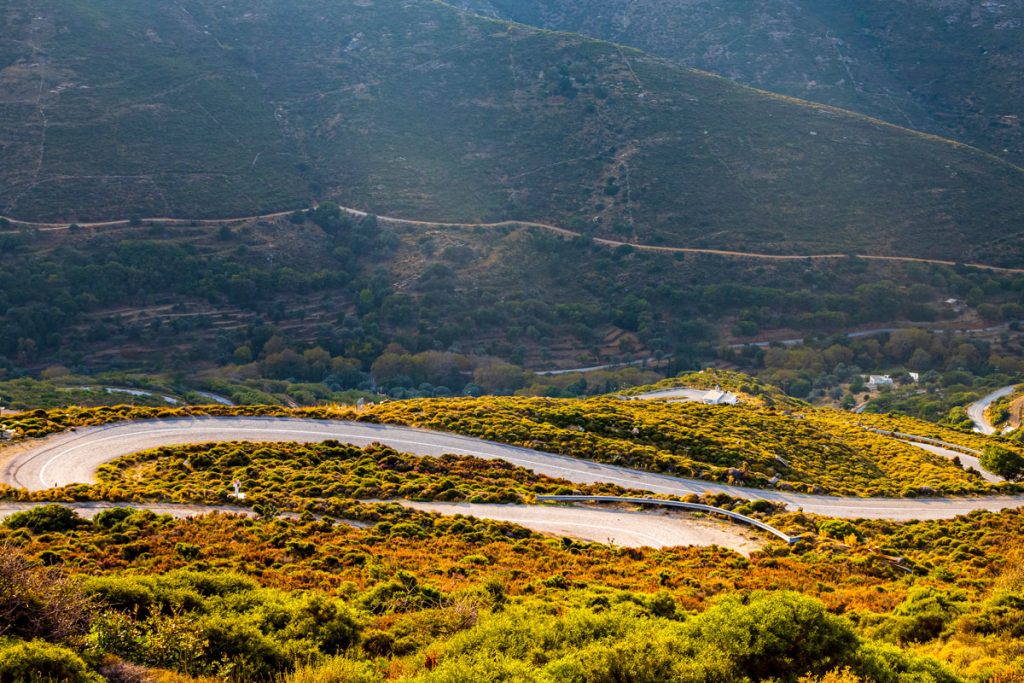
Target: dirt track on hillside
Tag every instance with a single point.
(51, 227)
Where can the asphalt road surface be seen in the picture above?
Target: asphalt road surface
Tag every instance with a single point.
(682, 394)
(73, 457)
(976, 411)
(965, 459)
(619, 527)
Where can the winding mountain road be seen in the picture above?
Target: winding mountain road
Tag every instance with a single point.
(976, 411)
(602, 525)
(619, 527)
(73, 457)
(965, 459)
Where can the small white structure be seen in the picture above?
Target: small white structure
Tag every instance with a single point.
(717, 397)
(875, 381)
(955, 304)
(915, 376)
(238, 490)
(7, 434)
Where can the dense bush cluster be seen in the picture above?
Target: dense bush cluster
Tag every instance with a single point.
(422, 597)
(346, 588)
(813, 450)
(352, 304)
(833, 366)
(293, 474)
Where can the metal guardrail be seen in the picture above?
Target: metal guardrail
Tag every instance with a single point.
(675, 504)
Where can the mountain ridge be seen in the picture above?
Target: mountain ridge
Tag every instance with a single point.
(423, 112)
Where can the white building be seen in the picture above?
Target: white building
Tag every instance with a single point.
(875, 381)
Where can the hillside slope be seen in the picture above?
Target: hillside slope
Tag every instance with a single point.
(196, 108)
(186, 297)
(951, 67)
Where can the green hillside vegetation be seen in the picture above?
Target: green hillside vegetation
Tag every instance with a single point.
(253, 298)
(793, 448)
(415, 596)
(814, 450)
(749, 390)
(942, 67)
(417, 110)
(953, 370)
(315, 476)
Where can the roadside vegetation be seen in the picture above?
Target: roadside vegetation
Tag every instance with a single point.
(349, 587)
(416, 596)
(814, 451)
(789, 446)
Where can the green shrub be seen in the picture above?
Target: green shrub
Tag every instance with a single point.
(37, 661)
(188, 551)
(378, 643)
(922, 616)
(126, 594)
(210, 583)
(838, 528)
(779, 634)
(108, 519)
(882, 663)
(1001, 615)
(1003, 461)
(255, 656)
(46, 518)
(402, 594)
(327, 622)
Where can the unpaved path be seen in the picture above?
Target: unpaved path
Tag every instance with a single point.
(49, 227)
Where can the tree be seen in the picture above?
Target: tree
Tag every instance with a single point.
(45, 518)
(499, 378)
(319, 362)
(1004, 462)
(40, 661)
(780, 634)
(284, 365)
(38, 603)
(330, 218)
(920, 360)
